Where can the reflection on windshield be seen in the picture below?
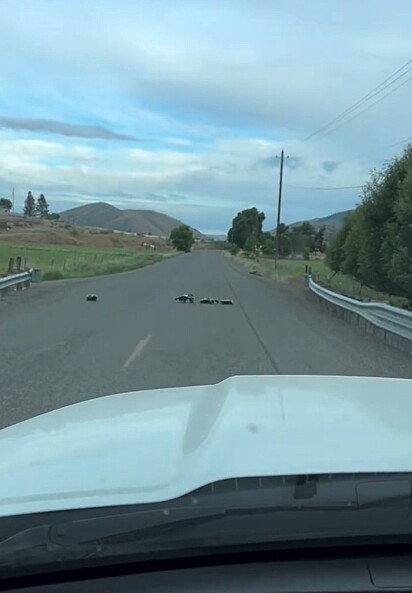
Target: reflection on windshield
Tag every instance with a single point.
(220, 516)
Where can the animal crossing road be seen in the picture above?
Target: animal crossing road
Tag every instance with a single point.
(57, 349)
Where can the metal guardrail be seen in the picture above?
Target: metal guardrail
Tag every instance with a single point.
(386, 317)
(15, 280)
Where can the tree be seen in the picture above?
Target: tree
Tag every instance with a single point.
(305, 228)
(182, 238)
(299, 243)
(268, 243)
(251, 244)
(335, 254)
(247, 223)
(285, 245)
(352, 246)
(319, 240)
(29, 205)
(303, 237)
(42, 206)
(282, 228)
(6, 204)
(375, 242)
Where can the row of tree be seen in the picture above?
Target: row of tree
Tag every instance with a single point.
(374, 245)
(247, 233)
(32, 207)
(38, 207)
(301, 238)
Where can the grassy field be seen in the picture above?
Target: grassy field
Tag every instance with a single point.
(288, 269)
(64, 261)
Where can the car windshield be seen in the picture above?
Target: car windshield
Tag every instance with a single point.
(205, 274)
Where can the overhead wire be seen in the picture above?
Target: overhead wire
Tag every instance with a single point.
(343, 187)
(388, 82)
(367, 107)
(401, 142)
(353, 112)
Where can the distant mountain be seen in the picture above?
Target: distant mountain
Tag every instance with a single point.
(331, 223)
(106, 216)
(335, 220)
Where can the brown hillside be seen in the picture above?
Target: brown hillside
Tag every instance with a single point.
(136, 221)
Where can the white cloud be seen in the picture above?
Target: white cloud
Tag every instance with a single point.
(223, 86)
(232, 175)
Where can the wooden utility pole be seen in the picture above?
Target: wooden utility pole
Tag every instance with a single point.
(279, 207)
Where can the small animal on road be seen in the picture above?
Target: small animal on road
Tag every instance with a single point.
(185, 298)
(226, 302)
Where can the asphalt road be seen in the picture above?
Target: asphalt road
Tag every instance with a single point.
(57, 349)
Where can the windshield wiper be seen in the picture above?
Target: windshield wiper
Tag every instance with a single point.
(89, 530)
(86, 535)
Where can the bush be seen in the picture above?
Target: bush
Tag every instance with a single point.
(52, 275)
(182, 238)
(234, 249)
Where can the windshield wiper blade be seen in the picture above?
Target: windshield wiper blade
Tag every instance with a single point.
(83, 531)
(77, 533)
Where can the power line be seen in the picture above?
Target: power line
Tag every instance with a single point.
(401, 142)
(367, 107)
(375, 91)
(333, 129)
(343, 187)
(389, 81)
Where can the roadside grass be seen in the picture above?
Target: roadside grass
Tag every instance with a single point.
(340, 283)
(63, 261)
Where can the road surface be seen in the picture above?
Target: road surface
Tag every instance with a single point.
(57, 349)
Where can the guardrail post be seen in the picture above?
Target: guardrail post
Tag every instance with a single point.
(35, 274)
(19, 285)
(11, 264)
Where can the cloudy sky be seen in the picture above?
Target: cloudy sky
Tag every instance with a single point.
(182, 106)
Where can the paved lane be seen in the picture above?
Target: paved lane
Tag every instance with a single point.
(57, 349)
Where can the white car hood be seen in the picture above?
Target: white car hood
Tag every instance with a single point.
(156, 445)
